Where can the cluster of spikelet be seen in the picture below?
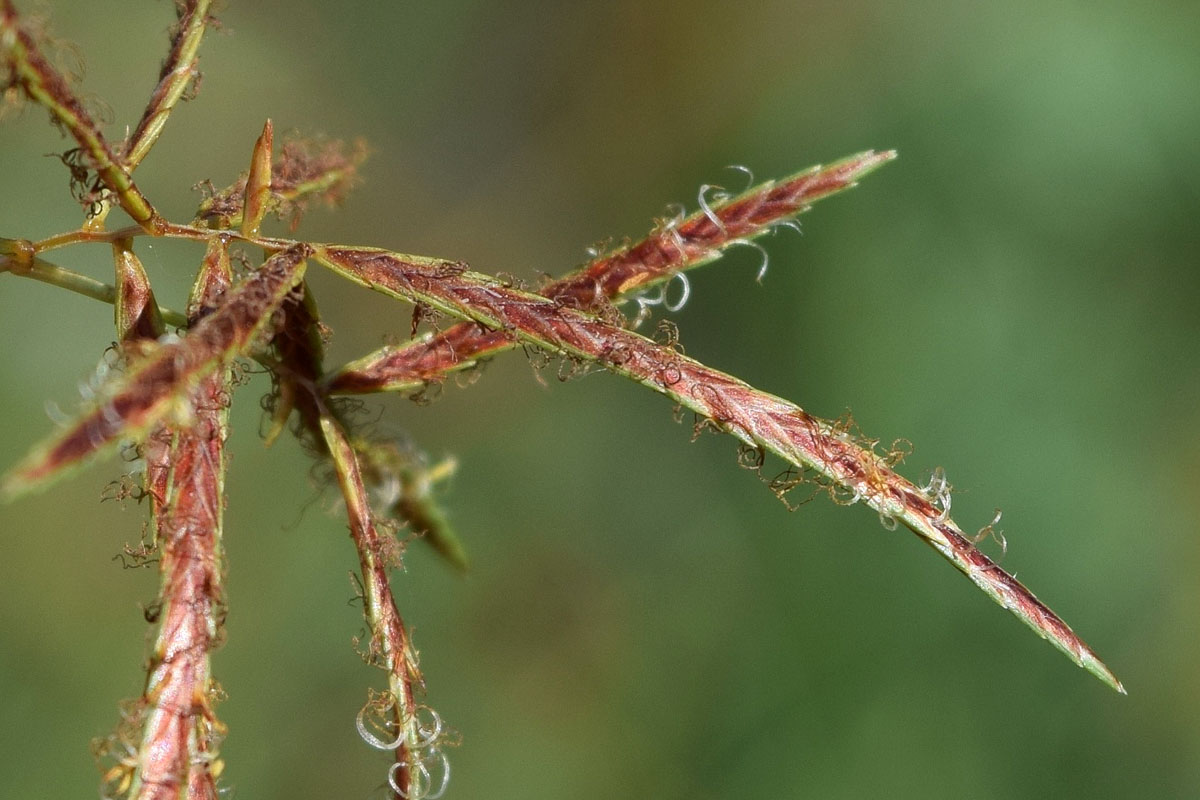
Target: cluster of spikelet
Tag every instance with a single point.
(176, 371)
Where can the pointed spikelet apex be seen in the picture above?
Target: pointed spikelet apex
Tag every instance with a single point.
(258, 183)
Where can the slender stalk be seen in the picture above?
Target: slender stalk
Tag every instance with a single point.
(85, 236)
(46, 272)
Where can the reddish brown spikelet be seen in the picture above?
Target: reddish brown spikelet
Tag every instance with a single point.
(177, 73)
(755, 417)
(673, 246)
(181, 732)
(314, 171)
(700, 238)
(390, 644)
(428, 359)
(44, 84)
(299, 352)
(157, 383)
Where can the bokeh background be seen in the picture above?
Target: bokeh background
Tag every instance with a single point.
(1017, 295)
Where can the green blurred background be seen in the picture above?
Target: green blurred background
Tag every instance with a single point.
(1016, 295)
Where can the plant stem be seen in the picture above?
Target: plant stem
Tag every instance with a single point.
(46, 272)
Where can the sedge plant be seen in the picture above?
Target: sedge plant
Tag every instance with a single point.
(173, 374)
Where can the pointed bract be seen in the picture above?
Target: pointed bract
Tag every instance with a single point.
(258, 182)
(136, 312)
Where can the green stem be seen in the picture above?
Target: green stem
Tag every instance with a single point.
(44, 271)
